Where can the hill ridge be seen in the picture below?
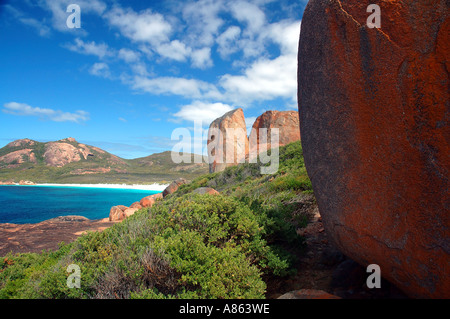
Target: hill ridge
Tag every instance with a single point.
(69, 161)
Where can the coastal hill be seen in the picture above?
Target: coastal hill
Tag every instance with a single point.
(68, 161)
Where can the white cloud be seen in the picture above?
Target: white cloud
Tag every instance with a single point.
(128, 55)
(140, 69)
(202, 21)
(145, 26)
(267, 79)
(90, 48)
(41, 28)
(263, 80)
(202, 112)
(152, 31)
(201, 58)
(227, 41)
(175, 50)
(250, 14)
(286, 34)
(22, 109)
(254, 19)
(187, 88)
(100, 69)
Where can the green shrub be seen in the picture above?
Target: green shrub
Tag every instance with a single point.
(212, 240)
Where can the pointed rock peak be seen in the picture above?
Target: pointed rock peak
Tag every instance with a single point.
(231, 124)
(69, 139)
(233, 114)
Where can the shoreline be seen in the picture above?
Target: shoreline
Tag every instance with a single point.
(149, 187)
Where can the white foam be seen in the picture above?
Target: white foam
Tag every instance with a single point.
(150, 187)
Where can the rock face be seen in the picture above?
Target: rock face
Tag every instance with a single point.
(26, 238)
(148, 201)
(227, 141)
(286, 122)
(374, 110)
(19, 157)
(8, 182)
(23, 182)
(22, 143)
(173, 186)
(59, 154)
(136, 205)
(117, 213)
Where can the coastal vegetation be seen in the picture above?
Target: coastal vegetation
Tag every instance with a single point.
(187, 245)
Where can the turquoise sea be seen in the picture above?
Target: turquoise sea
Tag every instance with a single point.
(33, 204)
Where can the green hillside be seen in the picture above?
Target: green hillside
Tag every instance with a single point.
(187, 245)
(98, 167)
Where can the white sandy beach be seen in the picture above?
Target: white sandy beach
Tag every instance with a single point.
(151, 187)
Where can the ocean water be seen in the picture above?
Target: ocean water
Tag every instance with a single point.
(33, 204)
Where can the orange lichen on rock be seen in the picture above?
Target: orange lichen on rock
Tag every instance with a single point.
(287, 124)
(374, 109)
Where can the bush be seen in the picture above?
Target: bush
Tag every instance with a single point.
(214, 241)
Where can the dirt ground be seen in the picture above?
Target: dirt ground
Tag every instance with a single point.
(322, 266)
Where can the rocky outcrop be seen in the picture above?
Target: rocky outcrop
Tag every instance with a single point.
(173, 186)
(120, 212)
(46, 235)
(19, 157)
(136, 205)
(229, 134)
(117, 213)
(374, 106)
(59, 154)
(21, 143)
(227, 141)
(148, 201)
(130, 211)
(206, 190)
(23, 182)
(8, 182)
(69, 140)
(286, 122)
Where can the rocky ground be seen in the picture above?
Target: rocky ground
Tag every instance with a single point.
(324, 272)
(18, 238)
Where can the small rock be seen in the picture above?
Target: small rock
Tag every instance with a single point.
(206, 190)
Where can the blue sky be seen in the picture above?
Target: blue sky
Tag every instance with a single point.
(136, 70)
